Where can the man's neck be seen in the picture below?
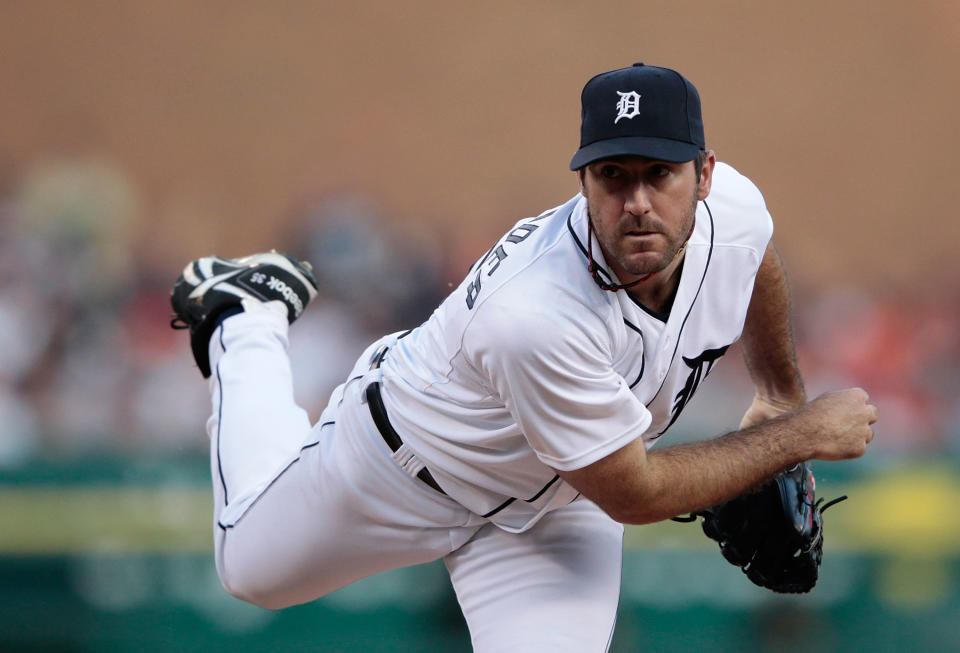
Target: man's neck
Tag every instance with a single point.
(657, 292)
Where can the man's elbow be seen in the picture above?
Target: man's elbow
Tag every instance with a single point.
(635, 512)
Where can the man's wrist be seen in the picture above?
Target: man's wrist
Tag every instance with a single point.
(783, 401)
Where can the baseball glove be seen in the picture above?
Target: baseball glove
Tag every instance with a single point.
(774, 533)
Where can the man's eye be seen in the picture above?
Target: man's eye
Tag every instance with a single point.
(610, 172)
(660, 171)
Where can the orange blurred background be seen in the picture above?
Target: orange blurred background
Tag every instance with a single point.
(226, 116)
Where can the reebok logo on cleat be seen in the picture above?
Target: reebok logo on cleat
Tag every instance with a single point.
(277, 287)
(288, 294)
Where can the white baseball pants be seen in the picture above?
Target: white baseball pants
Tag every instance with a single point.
(301, 511)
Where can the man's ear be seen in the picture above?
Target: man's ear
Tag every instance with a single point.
(580, 176)
(706, 175)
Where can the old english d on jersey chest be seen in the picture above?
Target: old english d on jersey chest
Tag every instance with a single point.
(665, 358)
(678, 351)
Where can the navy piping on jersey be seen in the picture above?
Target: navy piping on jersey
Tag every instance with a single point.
(499, 508)
(536, 496)
(662, 317)
(223, 316)
(275, 479)
(583, 250)
(643, 358)
(223, 482)
(692, 304)
(613, 626)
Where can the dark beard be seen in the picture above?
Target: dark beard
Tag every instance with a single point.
(642, 224)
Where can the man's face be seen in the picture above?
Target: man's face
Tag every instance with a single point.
(642, 210)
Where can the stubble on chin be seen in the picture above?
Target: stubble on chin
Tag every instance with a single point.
(625, 257)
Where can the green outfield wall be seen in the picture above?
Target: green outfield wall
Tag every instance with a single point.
(115, 555)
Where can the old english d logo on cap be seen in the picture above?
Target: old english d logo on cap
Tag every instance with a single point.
(628, 106)
(642, 110)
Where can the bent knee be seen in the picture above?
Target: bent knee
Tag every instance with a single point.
(258, 581)
(252, 588)
(268, 579)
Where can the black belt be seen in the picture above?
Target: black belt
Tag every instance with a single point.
(379, 414)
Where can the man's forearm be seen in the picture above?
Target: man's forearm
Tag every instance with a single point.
(638, 487)
(767, 339)
(690, 477)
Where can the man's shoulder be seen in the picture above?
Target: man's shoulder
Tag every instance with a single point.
(733, 187)
(538, 312)
(539, 298)
(738, 209)
(533, 267)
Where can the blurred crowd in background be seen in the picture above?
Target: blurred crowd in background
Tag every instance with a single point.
(90, 366)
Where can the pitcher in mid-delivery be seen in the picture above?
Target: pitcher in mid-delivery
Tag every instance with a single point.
(511, 433)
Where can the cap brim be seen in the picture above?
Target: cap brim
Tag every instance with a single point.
(661, 149)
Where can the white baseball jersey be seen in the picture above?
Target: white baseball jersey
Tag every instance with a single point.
(528, 366)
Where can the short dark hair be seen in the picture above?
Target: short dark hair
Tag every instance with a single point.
(698, 163)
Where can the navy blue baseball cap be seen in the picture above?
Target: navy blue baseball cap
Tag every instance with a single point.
(642, 111)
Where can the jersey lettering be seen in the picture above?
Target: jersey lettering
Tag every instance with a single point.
(501, 254)
(516, 237)
(473, 290)
(495, 257)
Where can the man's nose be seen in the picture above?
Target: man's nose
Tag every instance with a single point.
(638, 200)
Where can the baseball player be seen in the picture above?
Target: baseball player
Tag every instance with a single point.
(513, 432)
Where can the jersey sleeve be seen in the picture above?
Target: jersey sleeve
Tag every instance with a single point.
(743, 218)
(551, 366)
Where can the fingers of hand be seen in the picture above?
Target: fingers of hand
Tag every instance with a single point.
(859, 404)
(855, 428)
(846, 419)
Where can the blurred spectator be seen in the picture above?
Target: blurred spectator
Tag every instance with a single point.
(385, 272)
(165, 401)
(22, 341)
(71, 277)
(373, 279)
(902, 348)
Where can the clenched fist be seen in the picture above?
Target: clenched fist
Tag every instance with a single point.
(841, 424)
